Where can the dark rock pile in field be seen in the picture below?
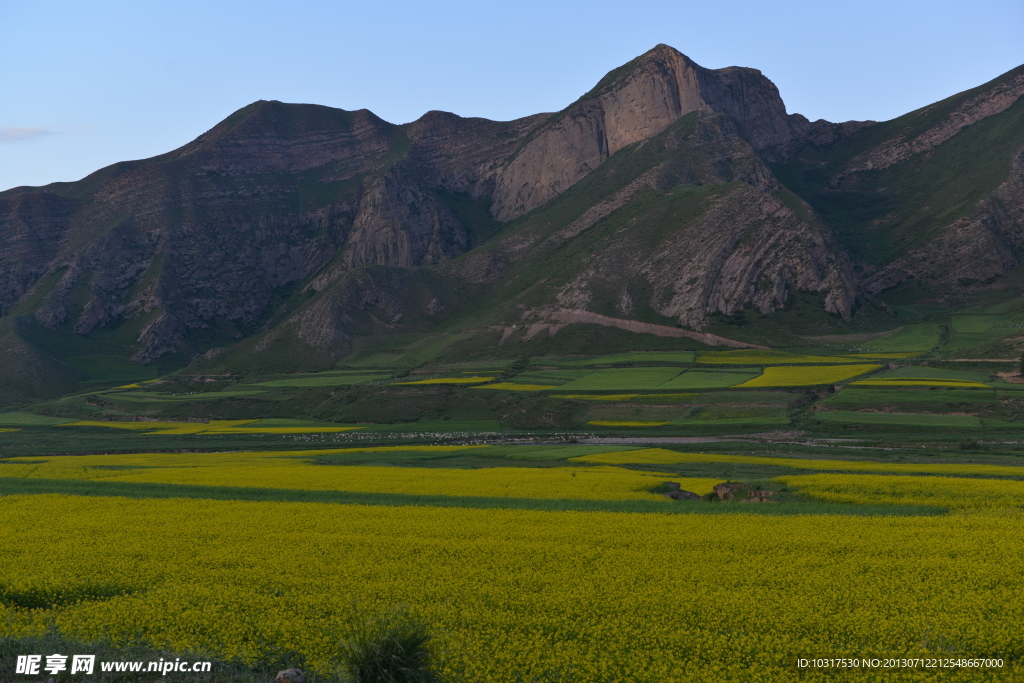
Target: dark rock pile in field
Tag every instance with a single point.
(745, 493)
(676, 493)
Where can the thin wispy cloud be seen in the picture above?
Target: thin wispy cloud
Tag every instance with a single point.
(24, 134)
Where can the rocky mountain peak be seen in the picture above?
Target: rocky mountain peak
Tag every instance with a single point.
(633, 103)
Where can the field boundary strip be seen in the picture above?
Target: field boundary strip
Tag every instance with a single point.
(12, 486)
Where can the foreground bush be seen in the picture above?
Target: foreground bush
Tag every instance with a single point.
(394, 649)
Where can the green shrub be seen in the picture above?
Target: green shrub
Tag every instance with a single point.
(393, 649)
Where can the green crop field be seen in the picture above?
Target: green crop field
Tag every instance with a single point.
(706, 379)
(748, 396)
(935, 373)
(19, 419)
(642, 413)
(960, 343)
(641, 357)
(969, 331)
(981, 324)
(322, 381)
(897, 394)
(516, 386)
(757, 357)
(556, 377)
(734, 415)
(688, 397)
(909, 420)
(538, 454)
(441, 426)
(918, 337)
(375, 359)
(615, 379)
(287, 422)
(149, 396)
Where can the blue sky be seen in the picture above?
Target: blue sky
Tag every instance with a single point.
(87, 84)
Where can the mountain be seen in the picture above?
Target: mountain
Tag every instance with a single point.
(670, 199)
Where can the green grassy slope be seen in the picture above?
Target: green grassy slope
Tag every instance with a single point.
(881, 214)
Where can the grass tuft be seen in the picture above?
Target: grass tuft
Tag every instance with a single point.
(391, 649)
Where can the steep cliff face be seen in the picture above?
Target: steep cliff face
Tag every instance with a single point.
(633, 104)
(401, 222)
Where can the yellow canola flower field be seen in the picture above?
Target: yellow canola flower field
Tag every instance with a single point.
(449, 380)
(789, 376)
(282, 470)
(95, 466)
(211, 427)
(522, 594)
(919, 382)
(140, 426)
(10, 429)
(947, 492)
(512, 386)
(663, 456)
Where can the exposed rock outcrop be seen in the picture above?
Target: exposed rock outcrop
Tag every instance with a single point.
(401, 223)
(632, 105)
(748, 248)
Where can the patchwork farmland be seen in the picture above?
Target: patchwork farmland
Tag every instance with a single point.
(430, 481)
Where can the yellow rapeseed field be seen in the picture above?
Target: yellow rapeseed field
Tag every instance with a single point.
(96, 466)
(663, 456)
(807, 375)
(211, 427)
(517, 594)
(948, 492)
(283, 470)
(140, 426)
